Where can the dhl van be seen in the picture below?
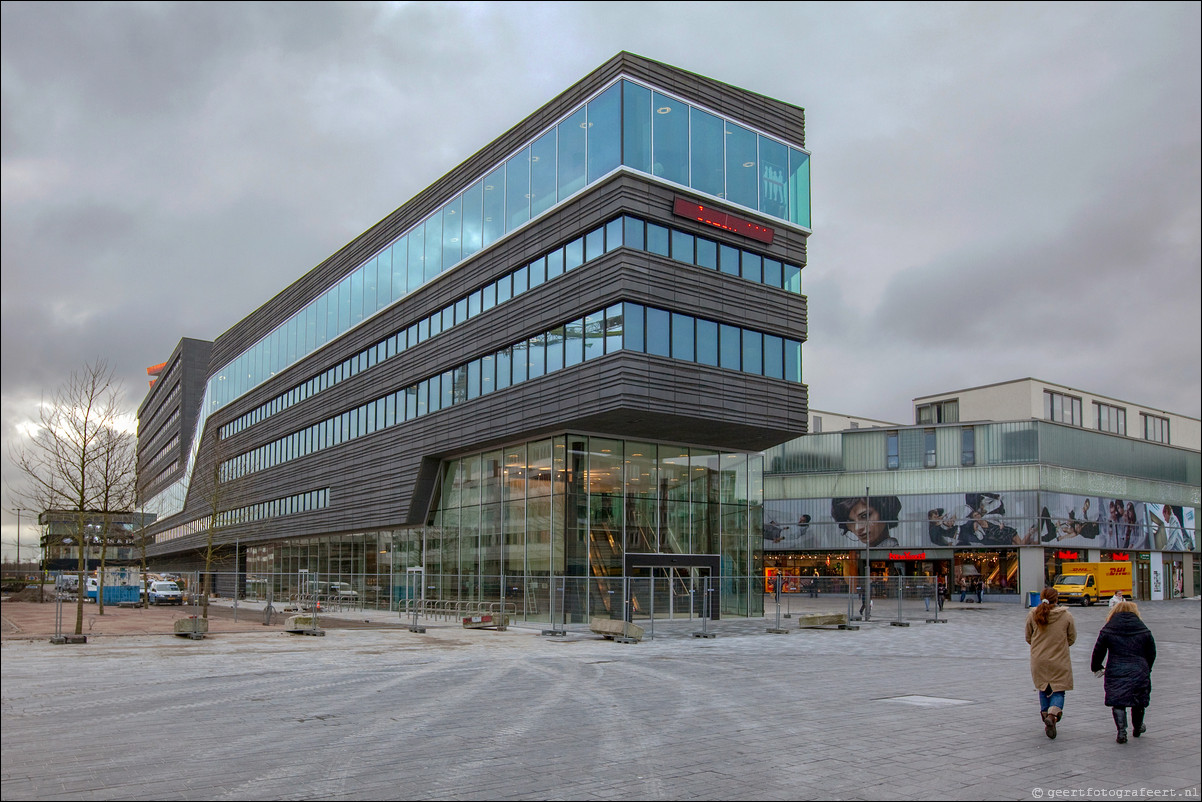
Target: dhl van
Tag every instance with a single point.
(1086, 583)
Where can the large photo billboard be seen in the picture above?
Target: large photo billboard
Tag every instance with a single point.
(985, 519)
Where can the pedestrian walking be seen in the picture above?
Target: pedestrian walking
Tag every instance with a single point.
(1051, 630)
(1117, 598)
(1124, 654)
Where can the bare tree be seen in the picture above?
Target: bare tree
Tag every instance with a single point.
(63, 462)
(212, 488)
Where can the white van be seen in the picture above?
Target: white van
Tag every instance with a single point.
(162, 592)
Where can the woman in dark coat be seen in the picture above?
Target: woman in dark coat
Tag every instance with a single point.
(1127, 650)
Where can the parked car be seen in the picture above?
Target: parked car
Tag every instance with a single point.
(165, 593)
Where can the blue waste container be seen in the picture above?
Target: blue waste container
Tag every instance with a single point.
(1033, 598)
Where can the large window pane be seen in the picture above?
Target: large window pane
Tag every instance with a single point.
(633, 320)
(594, 335)
(417, 257)
(753, 351)
(517, 190)
(452, 229)
(657, 239)
(504, 374)
(367, 300)
(670, 134)
(408, 254)
(730, 347)
(658, 334)
(774, 357)
(571, 157)
(706, 153)
(555, 349)
(488, 374)
(792, 360)
(344, 304)
(682, 337)
(613, 329)
(433, 264)
(574, 343)
(494, 206)
(799, 187)
(741, 166)
(707, 342)
(542, 173)
(773, 275)
(774, 169)
(604, 127)
(536, 356)
(471, 212)
(682, 247)
(384, 278)
(518, 363)
(636, 126)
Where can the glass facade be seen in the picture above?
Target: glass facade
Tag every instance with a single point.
(542, 527)
(686, 146)
(560, 514)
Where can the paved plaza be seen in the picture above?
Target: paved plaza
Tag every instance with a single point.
(920, 712)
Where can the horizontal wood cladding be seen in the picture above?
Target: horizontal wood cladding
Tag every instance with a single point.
(618, 276)
(775, 117)
(621, 194)
(632, 396)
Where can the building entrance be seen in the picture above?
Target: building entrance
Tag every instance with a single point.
(666, 586)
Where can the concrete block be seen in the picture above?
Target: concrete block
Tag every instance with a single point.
(821, 620)
(613, 629)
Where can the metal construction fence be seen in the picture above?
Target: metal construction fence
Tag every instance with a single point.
(899, 599)
(562, 600)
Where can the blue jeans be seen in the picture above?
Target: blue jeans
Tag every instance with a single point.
(1050, 698)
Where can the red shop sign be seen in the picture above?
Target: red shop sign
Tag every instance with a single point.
(922, 555)
(1067, 555)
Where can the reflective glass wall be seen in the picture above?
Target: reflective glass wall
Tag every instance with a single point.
(550, 521)
(626, 124)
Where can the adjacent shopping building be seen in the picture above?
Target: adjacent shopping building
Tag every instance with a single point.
(998, 486)
(557, 366)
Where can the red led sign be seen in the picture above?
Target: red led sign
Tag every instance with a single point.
(1120, 555)
(1067, 555)
(922, 555)
(723, 220)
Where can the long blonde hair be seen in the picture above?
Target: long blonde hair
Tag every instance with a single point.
(1123, 607)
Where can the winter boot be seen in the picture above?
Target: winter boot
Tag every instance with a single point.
(1120, 721)
(1137, 722)
(1049, 721)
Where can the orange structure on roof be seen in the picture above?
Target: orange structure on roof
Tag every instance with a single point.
(154, 370)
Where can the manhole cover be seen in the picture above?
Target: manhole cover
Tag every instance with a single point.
(926, 701)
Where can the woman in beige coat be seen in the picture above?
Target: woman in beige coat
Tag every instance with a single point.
(1050, 631)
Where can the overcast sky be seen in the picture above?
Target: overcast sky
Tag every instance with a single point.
(999, 190)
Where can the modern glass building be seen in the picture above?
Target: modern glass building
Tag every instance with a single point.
(995, 486)
(569, 351)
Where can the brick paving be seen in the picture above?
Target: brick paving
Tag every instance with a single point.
(380, 712)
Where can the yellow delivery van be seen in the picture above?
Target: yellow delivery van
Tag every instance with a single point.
(1086, 583)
